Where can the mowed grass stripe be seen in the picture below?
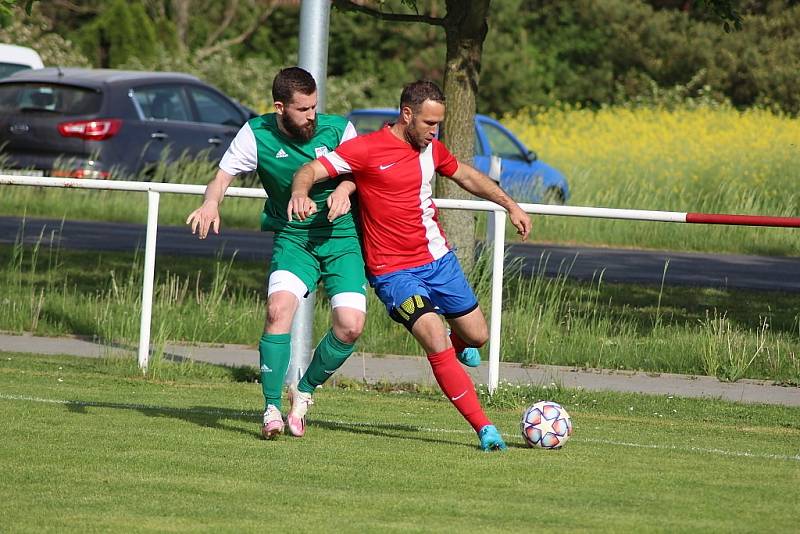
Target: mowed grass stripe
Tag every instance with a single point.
(346, 425)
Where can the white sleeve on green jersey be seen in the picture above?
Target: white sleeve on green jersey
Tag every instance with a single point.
(242, 154)
(349, 132)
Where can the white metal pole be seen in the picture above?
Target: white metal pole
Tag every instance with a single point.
(498, 255)
(312, 54)
(495, 171)
(313, 57)
(149, 273)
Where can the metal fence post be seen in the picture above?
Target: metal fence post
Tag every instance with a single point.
(147, 282)
(498, 255)
(313, 57)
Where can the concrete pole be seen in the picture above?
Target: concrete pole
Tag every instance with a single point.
(313, 57)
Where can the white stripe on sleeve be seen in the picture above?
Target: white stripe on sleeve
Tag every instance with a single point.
(349, 132)
(341, 166)
(242, 154)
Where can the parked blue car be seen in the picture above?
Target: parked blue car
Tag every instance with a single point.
(524, 176)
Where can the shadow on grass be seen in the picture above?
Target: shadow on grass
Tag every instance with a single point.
(205, 416)
(385, 430)
(214, 417)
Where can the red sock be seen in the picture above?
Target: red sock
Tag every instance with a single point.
(458, 343)
(458, 387)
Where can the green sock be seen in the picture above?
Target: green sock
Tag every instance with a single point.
(329, 355)
(275, 351)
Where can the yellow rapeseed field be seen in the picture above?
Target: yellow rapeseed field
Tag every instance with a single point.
(702, 159)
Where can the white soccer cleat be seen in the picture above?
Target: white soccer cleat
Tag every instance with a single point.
(300, 401)
(273, 423)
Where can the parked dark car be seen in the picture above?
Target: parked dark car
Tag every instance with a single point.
(99, 123)
(523, 175)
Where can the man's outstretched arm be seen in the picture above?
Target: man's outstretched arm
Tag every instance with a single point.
(207, 215)
(300, 205)
(477, 183)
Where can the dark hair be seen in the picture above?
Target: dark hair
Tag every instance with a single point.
(414, 94)
(292, 80)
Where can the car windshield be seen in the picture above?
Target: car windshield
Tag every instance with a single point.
(52, 98)
(501, 143)
(369, 123)
(7, 69)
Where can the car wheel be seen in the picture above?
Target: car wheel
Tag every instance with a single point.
(553, 195)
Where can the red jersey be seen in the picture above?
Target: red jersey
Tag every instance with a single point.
(399, 221)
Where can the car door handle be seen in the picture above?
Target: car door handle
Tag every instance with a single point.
(214, 140)
(159, 135)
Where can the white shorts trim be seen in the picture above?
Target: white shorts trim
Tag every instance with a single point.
(350, 300)
(286, 281)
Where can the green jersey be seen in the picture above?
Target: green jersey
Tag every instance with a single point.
(279, 157)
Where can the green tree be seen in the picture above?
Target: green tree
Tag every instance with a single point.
(7, 10)
(122, 30)
(465, 24)
(36, 31)
(465, 27)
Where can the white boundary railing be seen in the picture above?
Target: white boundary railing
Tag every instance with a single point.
(154, 191)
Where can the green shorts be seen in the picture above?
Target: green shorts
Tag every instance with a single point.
(337, 261)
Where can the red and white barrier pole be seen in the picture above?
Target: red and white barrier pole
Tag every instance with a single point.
(742, 220)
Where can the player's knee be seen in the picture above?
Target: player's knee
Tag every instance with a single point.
(279, 312)
(476, 337)
(347, 335)
(479, 341)
(480, 336)
(349, 329)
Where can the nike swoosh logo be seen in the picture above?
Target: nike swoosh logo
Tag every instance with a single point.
(384, 167)
(458, 397)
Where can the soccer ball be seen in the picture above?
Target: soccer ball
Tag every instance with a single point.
(546, 425)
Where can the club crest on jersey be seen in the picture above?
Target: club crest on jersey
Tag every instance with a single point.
(281, 154)
(321, 151)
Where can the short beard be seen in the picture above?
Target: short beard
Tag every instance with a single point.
(302, 133)
(411, 140)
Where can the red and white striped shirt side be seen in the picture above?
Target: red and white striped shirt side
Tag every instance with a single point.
(398, 218)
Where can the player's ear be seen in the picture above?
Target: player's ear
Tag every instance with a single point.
(406, 113)
(279, 107)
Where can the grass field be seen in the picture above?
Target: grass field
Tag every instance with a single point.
(89, 445)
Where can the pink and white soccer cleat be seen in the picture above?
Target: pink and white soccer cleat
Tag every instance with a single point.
(273, 423)
(296, 419)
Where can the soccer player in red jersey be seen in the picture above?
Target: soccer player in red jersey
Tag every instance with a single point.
(409, 262)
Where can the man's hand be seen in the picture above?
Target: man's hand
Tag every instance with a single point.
(339, 199)
(521, 221)
(207, 215)
(338, 204)
(301, 207)
(203, 218)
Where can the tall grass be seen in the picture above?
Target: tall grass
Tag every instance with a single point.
(544, 320)
(711, 159)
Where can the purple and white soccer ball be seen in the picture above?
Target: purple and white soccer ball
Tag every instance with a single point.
(546, 425)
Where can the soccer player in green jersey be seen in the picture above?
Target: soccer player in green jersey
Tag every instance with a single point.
(323, 247)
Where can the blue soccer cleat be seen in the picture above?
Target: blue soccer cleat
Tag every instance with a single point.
(469, 357)
(490, 439)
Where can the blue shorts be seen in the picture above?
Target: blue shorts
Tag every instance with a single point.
(441, 281)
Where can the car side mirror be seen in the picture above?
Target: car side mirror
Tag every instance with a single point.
(532, 156)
